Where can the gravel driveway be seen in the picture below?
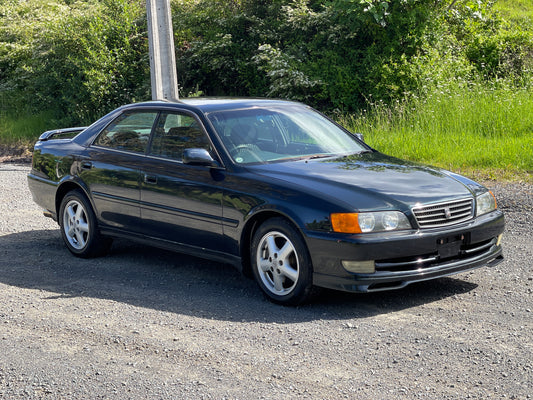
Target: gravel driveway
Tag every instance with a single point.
(143, 323)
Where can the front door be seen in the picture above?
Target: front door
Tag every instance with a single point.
(181, 203)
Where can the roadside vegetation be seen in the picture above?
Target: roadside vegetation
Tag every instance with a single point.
(444, 82)
(481, 131)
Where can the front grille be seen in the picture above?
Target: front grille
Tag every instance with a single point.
(442, 214)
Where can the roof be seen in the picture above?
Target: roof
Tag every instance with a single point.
(207, 104)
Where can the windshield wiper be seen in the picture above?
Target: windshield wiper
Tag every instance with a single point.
(315, 156)
(359, 152)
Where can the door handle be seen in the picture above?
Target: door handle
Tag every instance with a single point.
(152, 180)
(86, 165)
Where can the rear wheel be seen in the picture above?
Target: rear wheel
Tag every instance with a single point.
(281, 263)
(79, 227)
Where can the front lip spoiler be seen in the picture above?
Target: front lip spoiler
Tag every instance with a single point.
(386, 280)
(49, 214)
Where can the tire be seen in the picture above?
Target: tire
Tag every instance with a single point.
(79, 228)
(281, 263)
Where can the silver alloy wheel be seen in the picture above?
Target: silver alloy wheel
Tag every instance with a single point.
(75, 224)
(277, 263)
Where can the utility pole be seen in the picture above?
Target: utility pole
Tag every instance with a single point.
(162, 57)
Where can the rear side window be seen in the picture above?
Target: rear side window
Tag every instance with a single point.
(128, 132)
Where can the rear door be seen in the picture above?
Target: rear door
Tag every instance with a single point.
(113, 170)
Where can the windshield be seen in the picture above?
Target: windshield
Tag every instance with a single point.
(277, 133)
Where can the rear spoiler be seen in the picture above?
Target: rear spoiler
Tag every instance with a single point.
(67, 133)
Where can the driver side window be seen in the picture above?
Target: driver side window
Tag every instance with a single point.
(176, 132)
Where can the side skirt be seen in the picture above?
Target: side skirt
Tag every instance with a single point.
(177, 247)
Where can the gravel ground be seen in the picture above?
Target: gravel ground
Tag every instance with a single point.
(143, 323)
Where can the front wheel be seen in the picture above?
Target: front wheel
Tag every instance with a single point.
(281, 263)
(79, 227)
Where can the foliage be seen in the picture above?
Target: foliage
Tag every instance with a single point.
(87, 56)
(342, 53)
(66, 62)
(82, 56)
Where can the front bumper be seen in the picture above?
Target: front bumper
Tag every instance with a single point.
(402, 258)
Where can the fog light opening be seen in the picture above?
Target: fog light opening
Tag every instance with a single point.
(360, 267)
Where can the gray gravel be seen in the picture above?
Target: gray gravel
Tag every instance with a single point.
(143, 323)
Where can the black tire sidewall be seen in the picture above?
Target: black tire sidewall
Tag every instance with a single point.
(302, 290)
(92, 244)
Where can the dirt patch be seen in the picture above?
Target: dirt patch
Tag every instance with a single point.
(15, 153)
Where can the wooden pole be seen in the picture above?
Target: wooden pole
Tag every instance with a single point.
(163, 73)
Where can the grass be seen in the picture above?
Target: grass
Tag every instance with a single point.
(23, 129)
(482, 132)
(515, 10)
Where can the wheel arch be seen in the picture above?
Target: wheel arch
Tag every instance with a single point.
(67, 187)
(250, 227)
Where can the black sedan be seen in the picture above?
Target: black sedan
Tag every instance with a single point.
(273, 187)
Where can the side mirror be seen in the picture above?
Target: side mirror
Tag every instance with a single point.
(360, 136)
(199, 157)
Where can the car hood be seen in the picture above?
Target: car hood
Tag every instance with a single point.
(369, 181)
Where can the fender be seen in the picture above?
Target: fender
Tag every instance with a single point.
(67, 184)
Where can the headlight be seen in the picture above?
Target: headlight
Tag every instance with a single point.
(485, 203)
(369, 222)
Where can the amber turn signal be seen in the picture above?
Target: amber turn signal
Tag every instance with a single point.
(345, 222)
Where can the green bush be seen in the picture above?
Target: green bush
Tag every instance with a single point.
(80, 58)
(341, 53)
(77, 59)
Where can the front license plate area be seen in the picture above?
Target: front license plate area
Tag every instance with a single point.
(450, 246)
